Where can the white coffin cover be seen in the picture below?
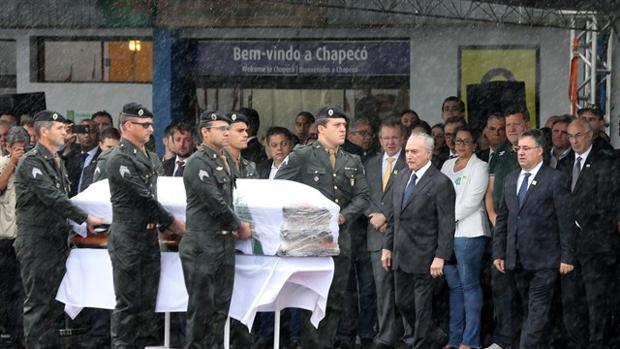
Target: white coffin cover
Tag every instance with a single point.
(264, 200)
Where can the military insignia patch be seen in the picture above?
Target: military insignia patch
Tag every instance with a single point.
(140, 112)
(54, 116)
(330, 112)
(233, 117)
(213, 117)
(202, 174)
(35, 172)
(123, 170)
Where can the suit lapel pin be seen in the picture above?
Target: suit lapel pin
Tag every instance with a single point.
(588, 165)
(534, 182)
(395, 172)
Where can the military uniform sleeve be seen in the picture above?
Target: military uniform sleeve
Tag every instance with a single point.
(204, 183)
(122, 171)
(43, 187)
(291, 167)
(359, 201)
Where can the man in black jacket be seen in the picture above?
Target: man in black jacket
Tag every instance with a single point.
(585, 292)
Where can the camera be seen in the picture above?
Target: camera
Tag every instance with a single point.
(80, 129)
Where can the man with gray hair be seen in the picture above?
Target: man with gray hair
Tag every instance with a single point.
(419, 237)
(42, 211)
(11, 293)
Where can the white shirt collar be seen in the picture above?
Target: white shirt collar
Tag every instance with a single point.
(395, 156)
(583, 156)
(533, 171)
(419, 173)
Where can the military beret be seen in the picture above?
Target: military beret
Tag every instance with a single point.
(331, 112)
(137, 110)
(238, 117)
(48, 115)
(213, 116)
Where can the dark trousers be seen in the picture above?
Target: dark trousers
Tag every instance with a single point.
(536, 290)
(360, 312)
(11, 292)
(136, 265)
(414, 299)
(209, 268)
(96, 322)
(325, 335)
(390, 322)
(42, 266)
(506, 309)
(585, 294)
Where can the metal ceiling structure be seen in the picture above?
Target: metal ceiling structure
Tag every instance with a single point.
(540, 13)
(591, 25)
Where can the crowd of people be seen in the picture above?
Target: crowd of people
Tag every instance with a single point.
(450, 237)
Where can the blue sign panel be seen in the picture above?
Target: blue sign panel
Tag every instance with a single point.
(295, 58)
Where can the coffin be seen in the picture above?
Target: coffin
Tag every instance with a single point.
(287, 218)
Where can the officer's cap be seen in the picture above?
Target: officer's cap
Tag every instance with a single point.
(209, 116)
(331, 112)
(238, 117)
(137, 110)
(48, 115)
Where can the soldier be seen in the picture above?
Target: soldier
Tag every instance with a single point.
(339, 176)
(208, 248)
(237, 142)
(133, 242)
(42, 210)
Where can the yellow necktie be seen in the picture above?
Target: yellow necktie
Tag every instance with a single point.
(332, 158)
(388, 171)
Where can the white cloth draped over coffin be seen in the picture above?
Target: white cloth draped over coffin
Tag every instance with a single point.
(287, 218)
(262, 283)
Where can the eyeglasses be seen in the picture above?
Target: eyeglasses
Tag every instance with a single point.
(145, 125)
(221, 128)
(525, 148)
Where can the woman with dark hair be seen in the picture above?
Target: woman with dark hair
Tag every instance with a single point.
(469, 176)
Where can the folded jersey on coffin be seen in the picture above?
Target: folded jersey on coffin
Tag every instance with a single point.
(287, 218)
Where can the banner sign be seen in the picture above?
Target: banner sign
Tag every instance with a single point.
(311, 58)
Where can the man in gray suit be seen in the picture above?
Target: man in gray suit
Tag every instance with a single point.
(419, 237)
(380, 171)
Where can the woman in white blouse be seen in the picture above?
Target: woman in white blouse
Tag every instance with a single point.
(469, 176)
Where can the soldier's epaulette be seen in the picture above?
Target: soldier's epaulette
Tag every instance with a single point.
(305, 148)
(32, 152)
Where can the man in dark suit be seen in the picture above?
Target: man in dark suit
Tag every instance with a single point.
(183, 143)
(78, 161)
(360, 315)
(380, 172)
(596, 119)
(586, 291)
(534, 235)
(495, 132)
(419, 237)
(278, 143)
(255, 151)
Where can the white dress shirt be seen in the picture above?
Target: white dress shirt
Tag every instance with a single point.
(583, 157)
(533, 173)
(384, 162)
